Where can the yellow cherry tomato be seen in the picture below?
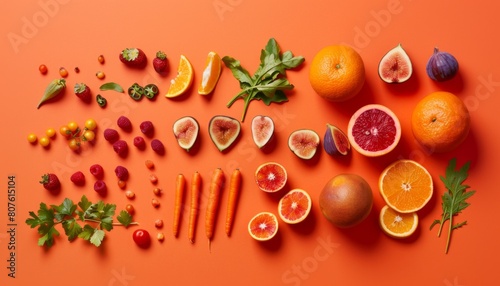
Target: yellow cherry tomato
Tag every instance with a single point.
(64, 131)
(72, 126)
(90, 124)
(89, 135)
(51, 132)
(32, 138)
(44, 141)
(74, 144)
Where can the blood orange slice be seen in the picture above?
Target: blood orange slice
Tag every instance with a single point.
(396, 224)
(295, 206)
(374, 130)
(263, 226)
(270, 177)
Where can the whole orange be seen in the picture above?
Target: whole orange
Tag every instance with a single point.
(440, 122)
(346, 200)
(337, 73)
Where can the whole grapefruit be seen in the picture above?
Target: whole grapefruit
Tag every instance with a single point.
(346, 200)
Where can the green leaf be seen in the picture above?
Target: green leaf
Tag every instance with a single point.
(97, 237)
(34, 221)
(66, 208)
(238, 71)
(124, 218)
(71, 228)
(87, 232)
(111, 86)
(48, 238)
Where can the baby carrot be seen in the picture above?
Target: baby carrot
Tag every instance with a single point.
(195, 201)
(234, 190)
(213, 202)
(179, 198)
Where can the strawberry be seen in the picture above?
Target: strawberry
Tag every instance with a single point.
(133, 57)
(83, 92)
(78, 178)
(50, 182)
(160, 62)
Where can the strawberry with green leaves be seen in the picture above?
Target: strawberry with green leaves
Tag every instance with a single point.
(160, 62)
(50, 182)
(133, 57)
(82, 91)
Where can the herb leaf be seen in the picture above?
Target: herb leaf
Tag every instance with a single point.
(454, 200)
(269, 80)
(124, 218)
(111, 86)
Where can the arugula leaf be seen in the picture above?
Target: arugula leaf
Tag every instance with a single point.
(454, 200)
(269, 80)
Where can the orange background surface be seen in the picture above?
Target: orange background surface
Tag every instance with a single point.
(73, 33)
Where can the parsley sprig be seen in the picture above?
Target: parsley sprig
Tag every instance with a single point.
(269, 81)
(454, 199)
(85, 220)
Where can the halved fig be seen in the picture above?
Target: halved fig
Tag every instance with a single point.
(186, 131)
(223, 131)
(335, 141)
(304, 143)
(262, 130)
(395, 66)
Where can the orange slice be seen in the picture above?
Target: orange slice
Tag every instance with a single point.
(397, 224)
(183, 80)
(271, 177)
(211, 74)
(263, 226)
(295, 206)
(406, 186)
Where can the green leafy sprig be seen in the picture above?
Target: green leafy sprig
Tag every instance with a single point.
(269, 81)
(454, 199)
(96, 218)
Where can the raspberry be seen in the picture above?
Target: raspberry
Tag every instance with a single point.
(157, 146)
(100, 187)
(139, 143)
(78, 178)
(97, 171)
(111, 135)
(124, 123)
(121, 148)
(147, 128)
(121, 172)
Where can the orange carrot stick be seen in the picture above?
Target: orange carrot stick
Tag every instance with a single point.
(213, 202)
(234, 191)
(180, 185)
(195, 201)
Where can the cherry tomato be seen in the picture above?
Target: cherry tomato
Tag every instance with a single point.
(72, 126)
(100, 59)
(43, 69)
(63, 72)
(130, 209)
(100, 75)
(160, 236)
(64, 131)
(142, 238)
(130, 194)
(89, 135)
(122, 184)
(44, 141)
(32, 138)
(51, 132)
(90, 124)
(74, 144)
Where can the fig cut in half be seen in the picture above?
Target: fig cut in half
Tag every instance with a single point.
(186, 131)
(262, 130)
(223, 130)
(335, 142)
(304, 143)
(395, 66)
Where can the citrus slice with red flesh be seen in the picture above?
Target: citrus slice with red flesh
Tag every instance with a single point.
(295, 206)
(406, 186)
(271, 177)
(374, 130)
(211, 74)
(263, 226)
(183, 80)
(396, 224)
